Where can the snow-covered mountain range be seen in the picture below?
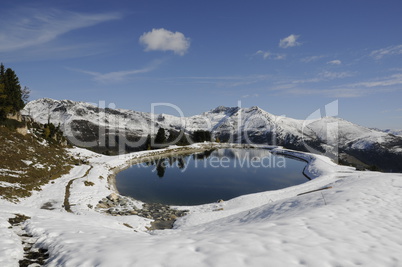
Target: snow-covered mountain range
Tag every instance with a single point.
(394, 132)
(90, 126)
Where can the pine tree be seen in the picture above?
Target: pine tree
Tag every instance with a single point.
(13, 91)
(11, 96)
(183, 140)
(201, 136)
(160, 137)
(3, 97)
(2, 71)
(4, 109)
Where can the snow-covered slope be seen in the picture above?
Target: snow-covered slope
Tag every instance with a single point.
(354, 222)
(329, 135)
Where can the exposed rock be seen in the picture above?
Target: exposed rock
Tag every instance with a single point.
(102, 206)
(48, 205)
(163, 216)
(113, 197)
(14, 116)
(22, 130)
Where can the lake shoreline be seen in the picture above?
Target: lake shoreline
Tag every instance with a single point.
(156, 155)
(146, 156)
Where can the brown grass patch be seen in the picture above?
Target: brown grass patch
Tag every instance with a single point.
(28, 162)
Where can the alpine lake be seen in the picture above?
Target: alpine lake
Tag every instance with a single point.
(211, 176)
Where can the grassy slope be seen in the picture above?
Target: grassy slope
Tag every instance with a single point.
(44, 162)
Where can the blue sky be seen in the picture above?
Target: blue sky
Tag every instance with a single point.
(288, 57)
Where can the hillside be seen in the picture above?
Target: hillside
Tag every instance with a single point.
(29, 161)
(126, 130)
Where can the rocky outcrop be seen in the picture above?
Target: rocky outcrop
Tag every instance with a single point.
(163, 215)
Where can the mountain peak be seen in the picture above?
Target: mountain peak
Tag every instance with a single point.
(223, 109)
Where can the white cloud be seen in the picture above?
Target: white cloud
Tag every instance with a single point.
(30, 27)
(268, 55)
(388, 51)
(164, 40)
(289, 41)
(334, 62)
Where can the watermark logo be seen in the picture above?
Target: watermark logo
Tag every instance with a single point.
(236, 159)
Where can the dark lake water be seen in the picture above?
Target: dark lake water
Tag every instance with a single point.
(209, 176)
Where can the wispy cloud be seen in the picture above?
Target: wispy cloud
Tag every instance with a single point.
(325, 76)
(228, 81)
(164, 40)
(388, 51)
(315, 86)
(333, 92)
(311, 59)
(334, 62)
(269, 55)
(263, 54)
(29, 27)
(336, 75)
(117, 76)
(55, 51)
(310, 80)
(250, 95)
(289, 41)
(380, 85)
(391, 110)
(359, 89)
(395, 79)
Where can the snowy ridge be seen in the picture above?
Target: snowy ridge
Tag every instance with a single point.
(240, 125)
(394, 132)
(219, 119)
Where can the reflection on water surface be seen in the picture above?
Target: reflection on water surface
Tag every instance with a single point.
(209, 176)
